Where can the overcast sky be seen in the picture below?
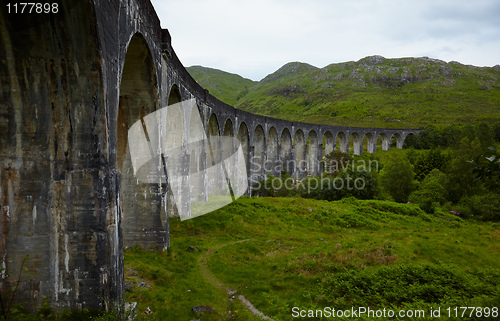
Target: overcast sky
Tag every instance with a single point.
(253, 38)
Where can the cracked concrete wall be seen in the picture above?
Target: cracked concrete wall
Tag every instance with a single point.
(58, 191)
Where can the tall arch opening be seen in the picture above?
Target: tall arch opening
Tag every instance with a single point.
(174, 96)
(214, 153)
(259, 148)
(213, 137)
(197, 156)
(355, 140)
(228, 142)
(286, 151)
(369, 143)
(272, 152)
(411, 140)
(396, 141)
(383, 141)
(312, 153)
(244, 140)
(300, 153)
(328, 143)
(228, 145)
(341, 142)
(174, 137)
(139, 203)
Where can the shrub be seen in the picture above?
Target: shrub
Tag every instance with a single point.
(348, 183)
(397, 177)
(431, 192)
(405, 284)
(459, 178)
(484, 207)
(429, 160)
(283, 186)
(487, 168)
(335, 162)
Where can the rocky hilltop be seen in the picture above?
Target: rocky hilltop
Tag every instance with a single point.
(376, 92)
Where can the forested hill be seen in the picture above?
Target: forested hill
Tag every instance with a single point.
(371, 92)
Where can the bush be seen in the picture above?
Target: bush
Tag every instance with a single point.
(397, 178)
(485, 207)
(335, 162)
(450, 136)
(487, 169)
(348, 183)
(459, 174)
(283, 186)
(412, 284)
(429, 160)
(431, 192)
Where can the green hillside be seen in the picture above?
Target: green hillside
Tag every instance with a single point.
(222, 85)
(281, 253)
(373, 92)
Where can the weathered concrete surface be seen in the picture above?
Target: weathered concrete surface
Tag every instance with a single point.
(58, 189)
(72, 83)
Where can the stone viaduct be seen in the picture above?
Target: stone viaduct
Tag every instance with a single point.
(72, 83)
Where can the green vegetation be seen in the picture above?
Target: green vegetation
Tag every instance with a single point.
(324, 247)
(373, 92)
(335, 249)
(397, 178)
(452, 176)
(344, 248)
(286, 252)
(224, 86)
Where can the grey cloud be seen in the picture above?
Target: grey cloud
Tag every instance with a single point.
(258, 36)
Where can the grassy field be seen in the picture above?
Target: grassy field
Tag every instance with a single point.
(282, 253)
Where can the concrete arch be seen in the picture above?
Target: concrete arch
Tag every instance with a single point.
(342, 142)
(312, 154)
(328, 143)
(213, 137)
(197, 155)
(272, 152)
(228, 142)
(244, 140)
(300, 153)
(385, 141)
(356, 143)
(398, 138)
(174, 95)
(371, 146)
(138, 94)
(138, 98)
(286, 151)
(410, 136)
(258, 157)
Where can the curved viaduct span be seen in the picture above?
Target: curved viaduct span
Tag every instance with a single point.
(72, 84)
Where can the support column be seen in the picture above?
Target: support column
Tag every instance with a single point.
(357, 146)
(319, 167)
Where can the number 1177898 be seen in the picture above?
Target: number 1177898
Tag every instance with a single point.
(32, 7)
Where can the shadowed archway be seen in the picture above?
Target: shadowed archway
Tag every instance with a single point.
(141, 216)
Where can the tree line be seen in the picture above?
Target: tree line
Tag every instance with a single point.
(452, 169)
